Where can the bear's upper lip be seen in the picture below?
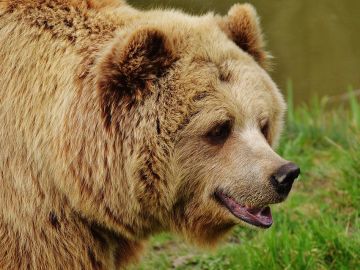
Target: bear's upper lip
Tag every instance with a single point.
(257, 216)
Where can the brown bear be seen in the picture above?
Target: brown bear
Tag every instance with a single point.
(118, 123)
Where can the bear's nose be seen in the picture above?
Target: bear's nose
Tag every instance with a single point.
(284, 177)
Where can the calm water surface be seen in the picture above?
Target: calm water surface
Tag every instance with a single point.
(316, 44)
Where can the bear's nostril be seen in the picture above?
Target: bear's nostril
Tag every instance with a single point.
(284, 177)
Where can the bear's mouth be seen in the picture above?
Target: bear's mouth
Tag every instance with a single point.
(257, 216)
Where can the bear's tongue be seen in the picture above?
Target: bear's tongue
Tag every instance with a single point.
(260, 217)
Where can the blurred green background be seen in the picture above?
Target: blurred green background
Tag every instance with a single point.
(316, 44)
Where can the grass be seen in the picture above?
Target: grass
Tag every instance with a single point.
(318, 226)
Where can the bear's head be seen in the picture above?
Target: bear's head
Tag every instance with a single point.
(192, 117)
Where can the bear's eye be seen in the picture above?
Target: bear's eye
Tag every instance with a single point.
(220, 133)
(265, 129)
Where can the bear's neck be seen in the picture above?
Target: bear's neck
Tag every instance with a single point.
(58, 238)
(38, 227)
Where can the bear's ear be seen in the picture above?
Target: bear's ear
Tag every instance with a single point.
(241, 24)
(130, 66)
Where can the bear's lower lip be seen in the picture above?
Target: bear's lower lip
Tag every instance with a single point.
(260, 217)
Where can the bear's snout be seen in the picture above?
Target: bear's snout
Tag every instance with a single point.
(284, 177)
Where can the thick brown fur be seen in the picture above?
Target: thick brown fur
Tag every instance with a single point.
(242, 25)
(103, 112)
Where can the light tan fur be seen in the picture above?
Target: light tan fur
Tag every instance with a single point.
(103, 111)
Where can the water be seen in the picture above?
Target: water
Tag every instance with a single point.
(316, 44)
